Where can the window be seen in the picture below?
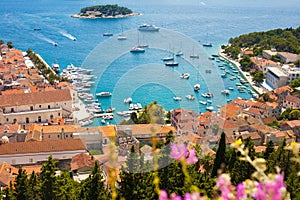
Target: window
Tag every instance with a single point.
(58, 114)
(27, 119)
(31, 107)
(57, 136)
(48, 106)
(30, 160)
(15, 121)
(51, 117)
(7, 119)
(12, 110)
(39, 119)
(66, 136)
(40, 106)
(49, 136)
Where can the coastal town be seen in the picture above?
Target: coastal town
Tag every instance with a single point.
(235, 136)
(39, 119)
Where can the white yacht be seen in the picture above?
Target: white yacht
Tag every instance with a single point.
(122, 37)
(148, 27)
(103, 94)
(190, 97)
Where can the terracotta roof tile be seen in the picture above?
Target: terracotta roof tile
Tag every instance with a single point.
(82, 160)
(32, 168)
(291, 98)
(35, 98)
(42, 146)
(7, 173)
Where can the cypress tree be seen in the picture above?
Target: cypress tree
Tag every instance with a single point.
(48, 178)
(220, 155)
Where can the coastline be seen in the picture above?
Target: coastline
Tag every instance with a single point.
(93, 16)
(246, 76)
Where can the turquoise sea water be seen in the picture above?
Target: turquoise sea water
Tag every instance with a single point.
(144, 77)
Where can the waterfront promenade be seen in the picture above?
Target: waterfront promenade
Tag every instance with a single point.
(246, 75)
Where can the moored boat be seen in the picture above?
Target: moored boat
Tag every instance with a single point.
(203, 102)
(176, 98)
(148, 27)
(185, 76)
(190, 97)
(137, 49)
(107, 34)
(103, 94)
(172, 64)
(196, 87)
(210, 108)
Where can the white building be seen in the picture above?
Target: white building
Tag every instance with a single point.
(22, 153)
(276, 78)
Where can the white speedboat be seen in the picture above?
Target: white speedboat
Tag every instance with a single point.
(196, 87)
(103, 94)
(185, 76)
(176, 98)
(230, 88)
(148, 27)
(107, 34)
(55, 67)
(167, 58)
(203, 102)
(210, 108)
(128, 100)
(190, 97)
(172, 64)
(226, 92)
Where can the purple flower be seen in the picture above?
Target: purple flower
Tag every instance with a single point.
(178, 152)
(163, 195)
(240, 191)
(192, 159)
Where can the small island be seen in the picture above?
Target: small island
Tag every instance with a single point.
(105, 11)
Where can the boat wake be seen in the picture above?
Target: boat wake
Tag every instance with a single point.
(67, 35)
(42, 37)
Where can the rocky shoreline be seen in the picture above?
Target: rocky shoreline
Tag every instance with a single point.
(94, 16)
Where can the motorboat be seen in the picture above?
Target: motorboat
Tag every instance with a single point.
(103, 94)
(37, 28)
(203, 102)
(196, 87)
(55, 67)
(107, 34)
(226, 92)
(185, 76)
(210, 108)
(176, 98)
(207, 95)
(128, 100)
(148, 27)
(230, 88)
(194, 56)
(55, 43)
(143, 45)
(190, 97)
(207, 44)
(172, 64)
(209, 101)
(137, 49)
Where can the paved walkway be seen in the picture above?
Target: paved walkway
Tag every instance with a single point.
(80, 113)
(246, 75)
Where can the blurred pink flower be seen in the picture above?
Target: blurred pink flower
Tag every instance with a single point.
(192, 158)
(178, 152)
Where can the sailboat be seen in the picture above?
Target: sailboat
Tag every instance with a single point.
(137, 48)
(194, 55)
(207, 44)
(142, 45)
(168, 57)
(197, 85)
(122, 36)
(172, 63)
(179, 53)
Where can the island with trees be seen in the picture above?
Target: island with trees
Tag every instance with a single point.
(105, 11)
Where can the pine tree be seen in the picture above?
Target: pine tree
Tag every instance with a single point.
(94, 185)
(47, 179)
(21, 186)
(66, 187)
(220, 156)
(33, 187)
